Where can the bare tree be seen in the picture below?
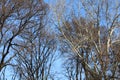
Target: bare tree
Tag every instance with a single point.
(35, 61)
(84, 40)
(92, 38)
(17, 18)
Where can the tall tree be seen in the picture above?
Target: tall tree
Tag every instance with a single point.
(17, 19)
(35, 61)
(92, 36)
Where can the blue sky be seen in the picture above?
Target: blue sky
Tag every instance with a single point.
(57, 67)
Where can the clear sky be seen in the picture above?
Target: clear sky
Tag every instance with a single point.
(57, 67)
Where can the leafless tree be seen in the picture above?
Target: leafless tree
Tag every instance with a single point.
(94, 38)
(35, 61)
(17, 19)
